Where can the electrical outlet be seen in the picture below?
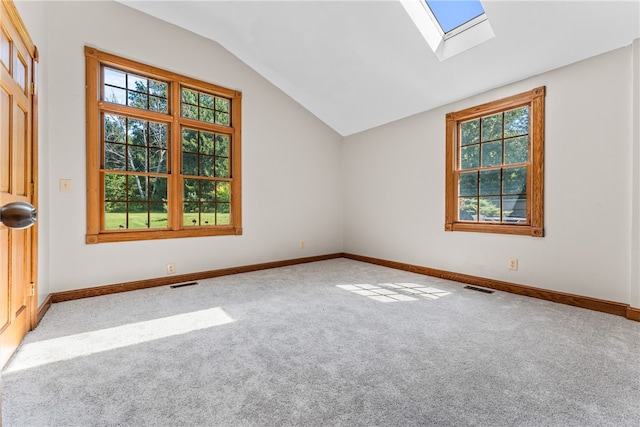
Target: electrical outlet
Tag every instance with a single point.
(513, 264)
(171, 268)
(302, 244)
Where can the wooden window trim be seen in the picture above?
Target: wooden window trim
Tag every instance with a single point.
(94, 105)
(535, 178)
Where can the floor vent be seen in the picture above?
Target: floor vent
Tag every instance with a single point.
(473, 288)
(182, 285)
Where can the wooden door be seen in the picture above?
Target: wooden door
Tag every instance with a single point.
(17, 176)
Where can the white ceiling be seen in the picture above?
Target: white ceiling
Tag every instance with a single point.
(361, 64)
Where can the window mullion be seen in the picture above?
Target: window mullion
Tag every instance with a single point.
(175, 197)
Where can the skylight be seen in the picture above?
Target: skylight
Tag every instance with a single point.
(450, 26)
(452, 14)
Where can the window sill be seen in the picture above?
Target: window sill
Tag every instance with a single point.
(522, 230)
(133, 235)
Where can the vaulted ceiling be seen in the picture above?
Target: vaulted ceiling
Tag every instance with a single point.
(361, 64)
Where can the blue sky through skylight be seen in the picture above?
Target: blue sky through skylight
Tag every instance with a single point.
(453, 13)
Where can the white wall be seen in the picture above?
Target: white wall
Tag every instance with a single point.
(291, 160)
(394, 188)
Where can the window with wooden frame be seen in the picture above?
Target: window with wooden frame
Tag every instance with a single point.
(494, 166)
(163, 153)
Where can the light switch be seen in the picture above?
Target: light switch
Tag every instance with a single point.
(65, 185)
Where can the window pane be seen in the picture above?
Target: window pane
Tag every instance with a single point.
(138, 84)
(470, 132)
(208, 214)
(206, 101)
(468, 184)
(222, 118)
(137, 160)
(158, 135)
(114, 187)
(190, 140)
(138, 215)
(206, 143)
(137, 188)
(115, 95)
(469, 157)
(20, 72)
(191, 190)
(158, 89)
(208, 190)
(514, 181)
(516, 150)
(115, 216)
(492, 153)
(205, 107)
(490, 209)
(129, 150)
(516, 122)
(114, 128)
(514, 209)
(158, 215)
(492, 127)
(452, 14)
(127, 201)
(490, 182)
(158, 104)
(206, 166)
(222, 145)
(206, 115)
(223, 217)
(189, 97)
(222, 168)
(157, 160)
(222, 105)
(468, 208)
(138, 100)
(115, 78)
(135, 91)
(190, 111)
(114, 156)
(5, 48)
(115, 83)
(189, 164)
(191, 214)
(223, 191)
(158, 189)
(137, 132)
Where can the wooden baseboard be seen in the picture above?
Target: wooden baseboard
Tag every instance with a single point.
(180, 278)
(42, 310)
(633, 314)
(611, 307)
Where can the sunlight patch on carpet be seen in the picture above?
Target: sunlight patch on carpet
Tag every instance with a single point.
(40, 353)
(393, 292)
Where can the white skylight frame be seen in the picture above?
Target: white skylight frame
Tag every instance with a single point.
(459, 39)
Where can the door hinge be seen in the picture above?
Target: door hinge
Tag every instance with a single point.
(32, 88)
(32, 289)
